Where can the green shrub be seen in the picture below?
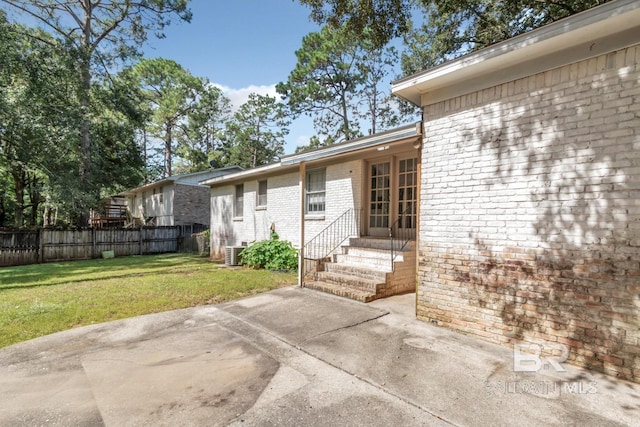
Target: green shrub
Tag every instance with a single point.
(270, 254)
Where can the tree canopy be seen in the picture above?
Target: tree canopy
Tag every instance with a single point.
(205, 130)
(339, 82)
(170, 93)
(452, 28)
(324, 82)
(37, 100)
(437, 30)
(98, 35)
(384, 19)
(255, 136)
(81, 113)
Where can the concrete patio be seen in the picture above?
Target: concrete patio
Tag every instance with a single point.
(293, 357)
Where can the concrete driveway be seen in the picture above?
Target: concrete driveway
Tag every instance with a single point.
(293, 357)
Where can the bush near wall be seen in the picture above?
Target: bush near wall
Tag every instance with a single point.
(271, 254)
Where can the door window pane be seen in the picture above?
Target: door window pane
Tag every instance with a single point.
(407, 194)
(380, 195)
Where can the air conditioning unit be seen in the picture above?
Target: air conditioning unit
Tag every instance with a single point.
(232, 255)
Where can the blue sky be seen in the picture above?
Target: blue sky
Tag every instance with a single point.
(243, 46)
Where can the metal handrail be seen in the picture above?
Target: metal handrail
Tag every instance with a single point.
(323, 244)
(403, 234)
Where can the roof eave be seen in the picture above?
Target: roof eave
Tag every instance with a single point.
(382, 138)
(290, 163)
(242, 175)
(587, 34)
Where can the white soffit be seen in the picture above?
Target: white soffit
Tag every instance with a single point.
(614, 25)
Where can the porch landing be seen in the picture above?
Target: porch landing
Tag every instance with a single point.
(364, 271)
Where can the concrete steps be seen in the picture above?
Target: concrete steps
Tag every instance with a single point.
(349, 280)
(355, 269)
(375, 258)
(341, 291)
(373, 243)
(361, 271)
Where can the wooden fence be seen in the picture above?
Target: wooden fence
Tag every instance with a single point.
(45, 245)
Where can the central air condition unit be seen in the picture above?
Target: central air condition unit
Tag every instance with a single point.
(232, 255)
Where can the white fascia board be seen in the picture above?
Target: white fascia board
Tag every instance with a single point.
(146, 187)
(364, 142)
(246, 175)
(177, 178)
(290, 163)
(605, 28)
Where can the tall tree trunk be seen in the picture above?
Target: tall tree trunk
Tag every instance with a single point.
(18, 185)
(167, 150)
(46, 216)
(374, 110)
(146, 160)
(86, 186)
(254, 162)
(345, 117)
(34, 195)
(3, 209)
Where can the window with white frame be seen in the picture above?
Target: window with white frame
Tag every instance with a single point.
(315, 192)
(261, 201)
(238, 206)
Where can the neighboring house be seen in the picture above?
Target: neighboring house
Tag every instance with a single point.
(530, 189)
(176, 200)
(526, 172)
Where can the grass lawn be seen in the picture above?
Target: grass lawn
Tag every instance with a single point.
(37, 300)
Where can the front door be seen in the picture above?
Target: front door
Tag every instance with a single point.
(392, 195)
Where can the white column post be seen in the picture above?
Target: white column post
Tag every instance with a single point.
(302, 185)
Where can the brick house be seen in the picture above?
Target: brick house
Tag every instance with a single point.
(348, 196)
(176, 200)
(530, 192)
(526, 175)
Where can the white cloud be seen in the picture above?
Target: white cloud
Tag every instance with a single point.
(240, 96)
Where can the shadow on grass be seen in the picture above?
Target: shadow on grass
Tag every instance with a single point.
(42, 275)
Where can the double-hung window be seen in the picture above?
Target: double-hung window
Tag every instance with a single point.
(261, 202)
(315, 192)
(238, 206)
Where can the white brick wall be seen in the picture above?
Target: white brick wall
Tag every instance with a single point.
(530, 211)
(534, 164)
(343, 191)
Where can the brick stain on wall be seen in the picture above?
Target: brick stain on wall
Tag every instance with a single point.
(530, 212)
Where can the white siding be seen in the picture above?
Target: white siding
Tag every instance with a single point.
(159, 205)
